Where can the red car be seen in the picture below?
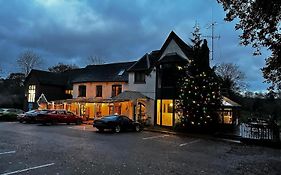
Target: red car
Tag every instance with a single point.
(59, 116)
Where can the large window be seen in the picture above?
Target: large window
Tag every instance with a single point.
(116, 89)
(82, 91)
(99, 91)
(31, 93)
(140, 77)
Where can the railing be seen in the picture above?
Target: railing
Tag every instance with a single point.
(259, 131)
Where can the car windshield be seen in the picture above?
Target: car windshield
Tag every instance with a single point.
(110, 118)
(32, 111)
(44, 111)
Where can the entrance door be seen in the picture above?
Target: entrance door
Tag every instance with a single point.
(140, 113)
(165, 112)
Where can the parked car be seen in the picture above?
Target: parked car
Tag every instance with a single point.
(59, 116)
(30, 116)
(116, 123)
(9, 114)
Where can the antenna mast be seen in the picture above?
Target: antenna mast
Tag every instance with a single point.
(213, 36)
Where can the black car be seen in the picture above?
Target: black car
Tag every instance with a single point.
(116, 123)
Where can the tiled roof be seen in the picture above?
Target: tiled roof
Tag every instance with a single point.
(94, 73)
(48, 78)
(105, 72)
(146, 62)
(129, 95)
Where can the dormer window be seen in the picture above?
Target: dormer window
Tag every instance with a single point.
(121, 72)
(139, 77)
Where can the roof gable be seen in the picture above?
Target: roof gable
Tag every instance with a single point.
(172, 45)
(175, 44)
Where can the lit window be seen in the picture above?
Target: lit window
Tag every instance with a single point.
(139, 77)
(82, 91)
(69, 92)
(31, 93)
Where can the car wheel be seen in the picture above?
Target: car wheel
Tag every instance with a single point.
(137, 128)
(21, 121)
(78, 122)
(100, 129)
(117, 129)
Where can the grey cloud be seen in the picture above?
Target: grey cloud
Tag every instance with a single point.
(69, 31)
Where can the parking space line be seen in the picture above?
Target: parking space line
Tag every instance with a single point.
(27, 169)
(155, 137)
(188, 143)
(8, 152)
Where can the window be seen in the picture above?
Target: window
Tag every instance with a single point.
(69, 92)
(99, 91)
(82, 91)
(31, 93)
(169, 76)
(116, 89)
(139, 77)
(121, 72)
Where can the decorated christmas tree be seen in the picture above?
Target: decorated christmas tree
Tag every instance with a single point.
(198, 88)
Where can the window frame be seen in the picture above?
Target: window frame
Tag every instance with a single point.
(100, 93)
(80, 92)
(139, 77)
(114, 89)
(31, 93)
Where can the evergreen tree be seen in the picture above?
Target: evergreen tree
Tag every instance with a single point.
(198, 88)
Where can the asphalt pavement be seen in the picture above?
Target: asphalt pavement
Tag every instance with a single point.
(69, 149)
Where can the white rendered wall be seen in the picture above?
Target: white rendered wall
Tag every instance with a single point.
(148, 88)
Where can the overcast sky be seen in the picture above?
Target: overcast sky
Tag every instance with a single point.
(69, 31)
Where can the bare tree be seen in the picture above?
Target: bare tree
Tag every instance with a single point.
(28, 60)
(94, 60)
(233, 80)
(60, 67)
(1, 71)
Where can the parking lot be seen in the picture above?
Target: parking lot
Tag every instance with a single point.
(70, 149)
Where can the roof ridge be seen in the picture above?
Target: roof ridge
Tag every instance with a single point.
(114, 63)
(136, 62)
(147, 61)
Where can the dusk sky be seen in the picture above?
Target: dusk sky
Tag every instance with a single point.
(115, 30)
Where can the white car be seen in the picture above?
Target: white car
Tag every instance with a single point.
(9, 113)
